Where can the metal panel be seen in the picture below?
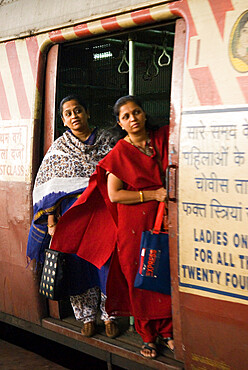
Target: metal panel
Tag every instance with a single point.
(28, 17)
(50, 94)
(18, 284)
(175, 120)
(213, 302)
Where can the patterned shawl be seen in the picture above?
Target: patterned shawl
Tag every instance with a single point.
(63, 175)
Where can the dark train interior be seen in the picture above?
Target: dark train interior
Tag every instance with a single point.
(98, 70)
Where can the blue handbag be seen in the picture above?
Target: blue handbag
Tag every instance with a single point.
(154, 266)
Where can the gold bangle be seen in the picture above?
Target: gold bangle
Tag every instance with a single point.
(51, 225)
(141, 196)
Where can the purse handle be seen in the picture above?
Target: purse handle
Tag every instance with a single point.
(159, 218)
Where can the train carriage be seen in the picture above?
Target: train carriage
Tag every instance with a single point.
(188, 60)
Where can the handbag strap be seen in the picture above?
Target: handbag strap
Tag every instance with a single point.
(159, 218)
(161, 207)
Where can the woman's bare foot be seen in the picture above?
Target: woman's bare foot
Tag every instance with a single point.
(149, 350)
(169, 342)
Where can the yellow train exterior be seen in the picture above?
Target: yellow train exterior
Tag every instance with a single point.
(208, 176)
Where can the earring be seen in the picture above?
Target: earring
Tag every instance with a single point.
(122, 128)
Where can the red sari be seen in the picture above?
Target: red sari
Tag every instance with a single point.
(106, 228)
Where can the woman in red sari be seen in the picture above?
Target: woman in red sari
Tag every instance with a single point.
(129, 181)
(134, 183)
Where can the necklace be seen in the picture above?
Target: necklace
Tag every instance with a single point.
(148, 149)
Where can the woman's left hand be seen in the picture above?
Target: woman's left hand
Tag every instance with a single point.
(51, 230)
(160, 194)
(51, 224)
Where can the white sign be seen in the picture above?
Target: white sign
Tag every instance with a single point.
(13, 152)
(213, 203)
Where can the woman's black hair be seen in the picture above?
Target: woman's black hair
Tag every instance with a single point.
(135, 99)
(124, 100)
(69, 98)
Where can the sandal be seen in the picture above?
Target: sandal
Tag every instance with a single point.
(111, 329)
(88, 329)
(148, 346)
(165, 341)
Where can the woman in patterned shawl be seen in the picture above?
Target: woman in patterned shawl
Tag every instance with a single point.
(63, 175)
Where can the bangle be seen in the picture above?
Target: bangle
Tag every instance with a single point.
(141, 196)
(51, 225)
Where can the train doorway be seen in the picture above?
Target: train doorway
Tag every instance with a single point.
(147, 62)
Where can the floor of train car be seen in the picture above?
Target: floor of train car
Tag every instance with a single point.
(126, 346)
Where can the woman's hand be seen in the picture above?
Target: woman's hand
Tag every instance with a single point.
(160, 194)
(51, 230)
(51, 224)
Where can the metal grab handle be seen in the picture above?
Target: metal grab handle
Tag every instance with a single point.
(171, 182)
(152, 69)
(164, 53)
(124, 60)
(161, 56)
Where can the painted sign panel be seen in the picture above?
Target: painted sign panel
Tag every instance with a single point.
(213, 203)
(14, 154)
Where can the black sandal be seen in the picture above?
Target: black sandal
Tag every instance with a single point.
(147, 346)
(165, 342)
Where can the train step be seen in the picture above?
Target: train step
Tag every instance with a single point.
(123, 351)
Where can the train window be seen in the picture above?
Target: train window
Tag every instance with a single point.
(99, 71)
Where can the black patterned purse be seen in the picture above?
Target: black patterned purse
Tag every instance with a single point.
(54, 279)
